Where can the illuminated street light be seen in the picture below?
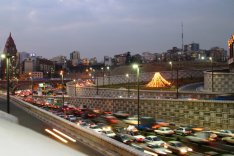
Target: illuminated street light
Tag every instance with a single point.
(108, 69)
(127, 75)
(171, 70)
(61, 73)
(75, 86)
(7, 56)
(136, 66)
(31, 77)
(102, 76)
(211, 61)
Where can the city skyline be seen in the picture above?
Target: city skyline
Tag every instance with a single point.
(110, 27)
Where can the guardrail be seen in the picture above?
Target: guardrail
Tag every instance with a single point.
(101, 143)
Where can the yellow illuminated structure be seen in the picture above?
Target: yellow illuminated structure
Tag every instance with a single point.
(158, 81)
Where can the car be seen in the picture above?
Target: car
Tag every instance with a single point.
(133, 120)
(202, 137)
(164, 131)
(136, 136)
(194, 128)
(178, 147)
(71, 118)
(158, 149)
(228, 140)
(123, 138)
(106, 130)
(224, 133)
(183, 131)
(95, 128)
(111, 119)
(155, 139)
(121, 114)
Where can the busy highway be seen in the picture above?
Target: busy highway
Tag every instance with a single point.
(160, 138)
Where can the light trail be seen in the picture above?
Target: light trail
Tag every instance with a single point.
(66, 136)
(57, 136)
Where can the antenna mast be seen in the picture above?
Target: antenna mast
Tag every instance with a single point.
(182, 36)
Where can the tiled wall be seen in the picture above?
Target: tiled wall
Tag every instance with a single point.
(209, 114)
(222, 82)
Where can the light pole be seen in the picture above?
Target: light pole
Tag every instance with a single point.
(75, 86)
(127, 75)
(171, 70)
(61, 73)
(7, 56)
(136, 66)
(97, 81)
(102, 76)
(108, 69)
(31, 77)
(211, 61)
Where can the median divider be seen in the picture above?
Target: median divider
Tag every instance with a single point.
(99, 142)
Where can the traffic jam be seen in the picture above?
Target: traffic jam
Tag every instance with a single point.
(154, 137)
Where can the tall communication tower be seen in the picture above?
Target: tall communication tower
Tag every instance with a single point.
(182, 36)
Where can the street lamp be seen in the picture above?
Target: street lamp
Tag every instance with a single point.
(211, 61)
(7, 56)
(96, 80)
(75, 86)
(171, 70)
(61, 73)
(108, 69)
(102, 76)
(136, 66)
(31, 77)
(127, 75)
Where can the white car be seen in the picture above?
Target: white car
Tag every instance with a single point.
(156, 140)
(164, 131)
(224, 133)
(96, 128)
(178, 147)
(153, 147)
(202, 137)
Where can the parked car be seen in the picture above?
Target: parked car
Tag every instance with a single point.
(111, 119)
(228, 140)
(95, 128)
(183, 131)
(178, 147)
(164, 131)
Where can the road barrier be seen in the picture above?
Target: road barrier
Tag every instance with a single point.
(101, 143)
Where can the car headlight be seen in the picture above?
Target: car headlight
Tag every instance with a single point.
(183, 151)
(190, 149)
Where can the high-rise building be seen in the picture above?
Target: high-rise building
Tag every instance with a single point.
(75, 58)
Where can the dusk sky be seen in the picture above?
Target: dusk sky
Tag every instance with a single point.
(107, 27)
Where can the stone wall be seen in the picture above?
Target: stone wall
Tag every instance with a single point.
(222, 82)
(209, 114)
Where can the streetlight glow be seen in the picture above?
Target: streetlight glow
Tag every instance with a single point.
(136, 66)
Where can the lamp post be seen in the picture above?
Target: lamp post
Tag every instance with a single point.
(7, 56)
(31, 77)
(108, 69)
(211, 61)
(136, 66)
(171, 70)
(75, 86)
(127, 75)
(102, 76)
(61, 73)
(97, 81)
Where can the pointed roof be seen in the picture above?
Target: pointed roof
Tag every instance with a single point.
(158, 81)
(10, 46)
